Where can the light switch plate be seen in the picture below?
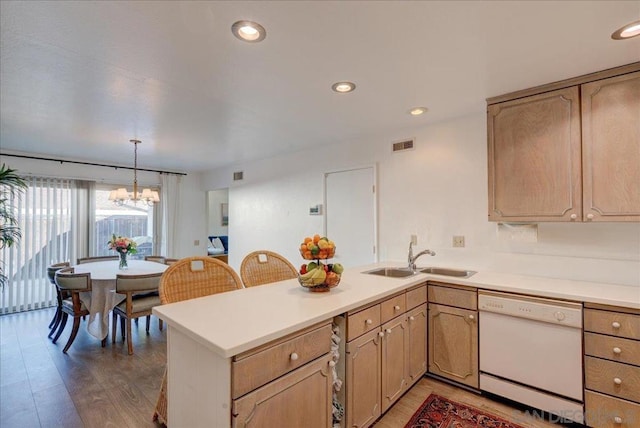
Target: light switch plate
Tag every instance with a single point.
(414, 239)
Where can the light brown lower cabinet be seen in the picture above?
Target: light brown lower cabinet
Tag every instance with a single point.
(453, 344)
(301, 398)
(395, 356)
(417, 354)
(385, 362)
(362, 383)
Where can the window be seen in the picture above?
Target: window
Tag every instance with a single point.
(45, 214)
(136, 221)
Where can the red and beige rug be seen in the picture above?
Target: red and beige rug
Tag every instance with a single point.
(440, 412)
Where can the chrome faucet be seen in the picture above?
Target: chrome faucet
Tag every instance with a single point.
(411, 259)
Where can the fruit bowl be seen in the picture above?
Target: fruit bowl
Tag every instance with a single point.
(324, 286)
(318, 275)
(317, 248)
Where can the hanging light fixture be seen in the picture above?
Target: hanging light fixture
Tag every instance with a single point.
(121, 196)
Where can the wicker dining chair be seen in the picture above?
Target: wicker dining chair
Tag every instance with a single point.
(168, 261)
(157, 259)
(263, 267)
(57, 317)
(140, 299)
(190, 278)
(97, 259)
(72, 283)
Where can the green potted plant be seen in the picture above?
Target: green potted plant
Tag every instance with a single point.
(10, 186)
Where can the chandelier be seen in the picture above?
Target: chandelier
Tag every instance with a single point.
(121, 196)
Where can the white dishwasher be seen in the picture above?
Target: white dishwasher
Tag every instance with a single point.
(531, 352)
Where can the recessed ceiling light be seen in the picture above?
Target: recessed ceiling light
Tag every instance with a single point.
(417, 111)
(249, 31)
(343, 87)
(628, 31)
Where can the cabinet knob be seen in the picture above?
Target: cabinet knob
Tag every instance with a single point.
(332, 363)
(369, 322)
(388, 331)
(412, 318)
(617, 350)
(617, 420)
(573, 216)
(293, 356)
(617, 381)
(381, 333)
(589, 216)
(396, 308)
(615, 324)
(472, 317)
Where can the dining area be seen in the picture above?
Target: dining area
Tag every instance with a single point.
(97, 286)
(122, 380)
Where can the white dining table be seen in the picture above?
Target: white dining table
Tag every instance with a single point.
(103, 297)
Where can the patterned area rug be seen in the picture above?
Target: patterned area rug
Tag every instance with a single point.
(439, 412)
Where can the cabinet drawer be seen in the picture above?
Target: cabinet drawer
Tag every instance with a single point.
(416, 297)
(609, 377)
(602, 411)
(361, 322)
(392, 307)
(465, 299)
(612, 323)
(612, 348)
(301, 398)
(267, 364)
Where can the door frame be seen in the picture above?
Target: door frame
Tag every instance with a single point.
(374, 167)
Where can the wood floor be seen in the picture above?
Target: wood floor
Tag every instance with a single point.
(93, 386)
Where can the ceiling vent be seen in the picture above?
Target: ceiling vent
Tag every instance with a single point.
(238, 175)
(403, 145)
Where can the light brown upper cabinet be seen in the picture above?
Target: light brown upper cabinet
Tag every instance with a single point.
(611, 148)
(568, 151)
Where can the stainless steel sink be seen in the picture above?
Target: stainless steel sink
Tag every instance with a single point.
(391, 272)
(448, 272)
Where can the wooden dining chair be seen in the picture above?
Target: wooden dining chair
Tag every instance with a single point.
(190, 278)
(263, 267)
(82, 260)
(157, 259)
(141, 297)
(69, 282)
(57, 317)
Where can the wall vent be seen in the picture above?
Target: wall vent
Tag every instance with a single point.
(238, 175)
(402, 145)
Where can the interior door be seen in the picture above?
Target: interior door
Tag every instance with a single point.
(350, 215)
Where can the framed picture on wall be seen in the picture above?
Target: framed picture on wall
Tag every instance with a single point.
(225, 214)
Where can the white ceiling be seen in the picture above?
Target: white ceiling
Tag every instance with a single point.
(79, 79)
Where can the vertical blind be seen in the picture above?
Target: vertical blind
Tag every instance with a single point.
(45, 213)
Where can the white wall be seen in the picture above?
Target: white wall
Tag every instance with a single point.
(192, 199)
(437, 190)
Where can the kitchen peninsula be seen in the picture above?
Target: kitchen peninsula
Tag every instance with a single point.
(206, 334)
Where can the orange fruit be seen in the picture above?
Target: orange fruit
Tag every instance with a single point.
(307, 240)
(316, 238)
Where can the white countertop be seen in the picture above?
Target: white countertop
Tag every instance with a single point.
(234, 322)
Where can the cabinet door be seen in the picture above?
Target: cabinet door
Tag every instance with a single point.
(534, 148)
(302, 398)
(362, 380)
(417, 326)
(395, 350)
(453, 344)
(611, 148)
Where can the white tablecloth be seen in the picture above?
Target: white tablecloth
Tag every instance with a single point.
(103, 297)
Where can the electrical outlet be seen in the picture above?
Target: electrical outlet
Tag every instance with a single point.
(458, 241)
(414, 239)
(196, 242)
